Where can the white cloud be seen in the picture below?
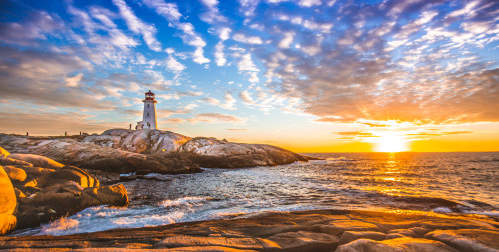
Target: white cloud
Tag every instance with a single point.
(168, 10)
(213, 14)
(73, 81)
(246, 64)
(309, 3)
(255, 40)
(211, 101)
(137, 26)
(189, 36)
(248, 7)
(216, 118)
(174, 65)
(190, 107)
(220, 59)
(224, 33)
(198, 56)
(467, 10)
(246, 97)
(210, 3)
(229, 102)
(103, 15)
(287, 40)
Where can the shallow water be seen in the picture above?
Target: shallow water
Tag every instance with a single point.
(441, 182)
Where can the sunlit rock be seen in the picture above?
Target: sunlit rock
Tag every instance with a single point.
(3, 153)
(395, 245)
(37, 160)
(15, 174)
(222, 154)
(224, 242)
(8, 203)
(304, 241)
(468, 239)
(349, 236)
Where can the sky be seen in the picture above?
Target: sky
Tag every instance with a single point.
(307, 75)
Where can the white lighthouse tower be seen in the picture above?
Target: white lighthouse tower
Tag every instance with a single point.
(149, 116)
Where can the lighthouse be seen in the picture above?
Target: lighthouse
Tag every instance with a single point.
(149, 116)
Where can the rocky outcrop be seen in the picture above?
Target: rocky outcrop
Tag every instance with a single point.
(146, 151)
(8, 200)
(88, 155)
(213, 153)
(36, 189)
(139, 141)
(315, 230)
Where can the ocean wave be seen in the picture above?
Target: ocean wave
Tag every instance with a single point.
(188, 201)
(60, 226)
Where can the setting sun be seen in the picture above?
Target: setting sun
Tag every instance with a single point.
(391, 142)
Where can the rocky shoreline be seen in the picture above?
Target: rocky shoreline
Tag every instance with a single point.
(36, 189)
(313, 230)
(42, 180)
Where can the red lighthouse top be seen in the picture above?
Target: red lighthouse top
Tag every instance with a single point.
(149, 96)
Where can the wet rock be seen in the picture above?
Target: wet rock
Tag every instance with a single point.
(349, 236)
(304, 241)
(353, 225)
(468, 239)
(37, 160)
(44, 194)
(394, 245)
(8, 203)
(114, 195)
(66, 199)
(15, 174)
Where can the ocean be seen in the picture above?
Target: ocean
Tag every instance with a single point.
(450, 183)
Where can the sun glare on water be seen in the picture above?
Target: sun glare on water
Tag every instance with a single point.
(391, 142)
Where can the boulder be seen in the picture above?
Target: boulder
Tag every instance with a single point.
(45, 190)
(66, 199)
(115, 195)
(35, 172)
(3, 153)
(37, 160)
(15, 162)
(395, 245)
(71, 173)
(8, 203)
(15, 174)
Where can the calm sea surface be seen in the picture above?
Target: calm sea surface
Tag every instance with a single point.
(440, 182)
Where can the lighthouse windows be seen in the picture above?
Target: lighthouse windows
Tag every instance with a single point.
(147, 114)
(148, 105)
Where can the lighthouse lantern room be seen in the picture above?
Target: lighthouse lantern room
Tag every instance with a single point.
(149, 116)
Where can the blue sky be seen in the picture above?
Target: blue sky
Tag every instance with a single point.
(274, 71)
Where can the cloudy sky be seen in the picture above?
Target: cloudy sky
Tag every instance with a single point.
(309, 75)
